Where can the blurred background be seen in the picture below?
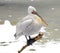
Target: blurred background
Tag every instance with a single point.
(15, 10)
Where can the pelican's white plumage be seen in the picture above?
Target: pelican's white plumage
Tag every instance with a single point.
(29, 25)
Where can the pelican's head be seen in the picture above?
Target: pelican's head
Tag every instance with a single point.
(32, 10)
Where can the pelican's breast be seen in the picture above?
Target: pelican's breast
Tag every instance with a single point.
(38, 20)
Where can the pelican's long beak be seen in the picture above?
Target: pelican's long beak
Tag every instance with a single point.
(40, 18)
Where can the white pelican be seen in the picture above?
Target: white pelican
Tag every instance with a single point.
(30, 24)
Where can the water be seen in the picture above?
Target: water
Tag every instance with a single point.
(48, 9)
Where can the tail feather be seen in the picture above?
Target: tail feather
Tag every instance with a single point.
(17, 35)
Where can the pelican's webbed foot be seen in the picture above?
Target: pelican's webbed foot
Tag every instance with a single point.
(30, 41)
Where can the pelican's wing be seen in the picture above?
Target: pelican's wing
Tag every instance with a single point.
(23, 25)
(24, 19)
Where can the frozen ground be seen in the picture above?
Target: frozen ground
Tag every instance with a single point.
(8, 44)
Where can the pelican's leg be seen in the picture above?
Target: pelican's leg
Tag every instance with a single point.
(30, 41)
(29, 37)
(26, 37)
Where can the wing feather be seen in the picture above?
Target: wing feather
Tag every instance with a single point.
(23, 25)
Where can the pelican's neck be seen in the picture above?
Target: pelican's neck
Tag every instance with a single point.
(30, 13)
(32, 16)
(35, 18)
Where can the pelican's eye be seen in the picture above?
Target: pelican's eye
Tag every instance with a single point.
(34, 12)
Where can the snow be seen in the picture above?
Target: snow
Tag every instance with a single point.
(7, 32)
